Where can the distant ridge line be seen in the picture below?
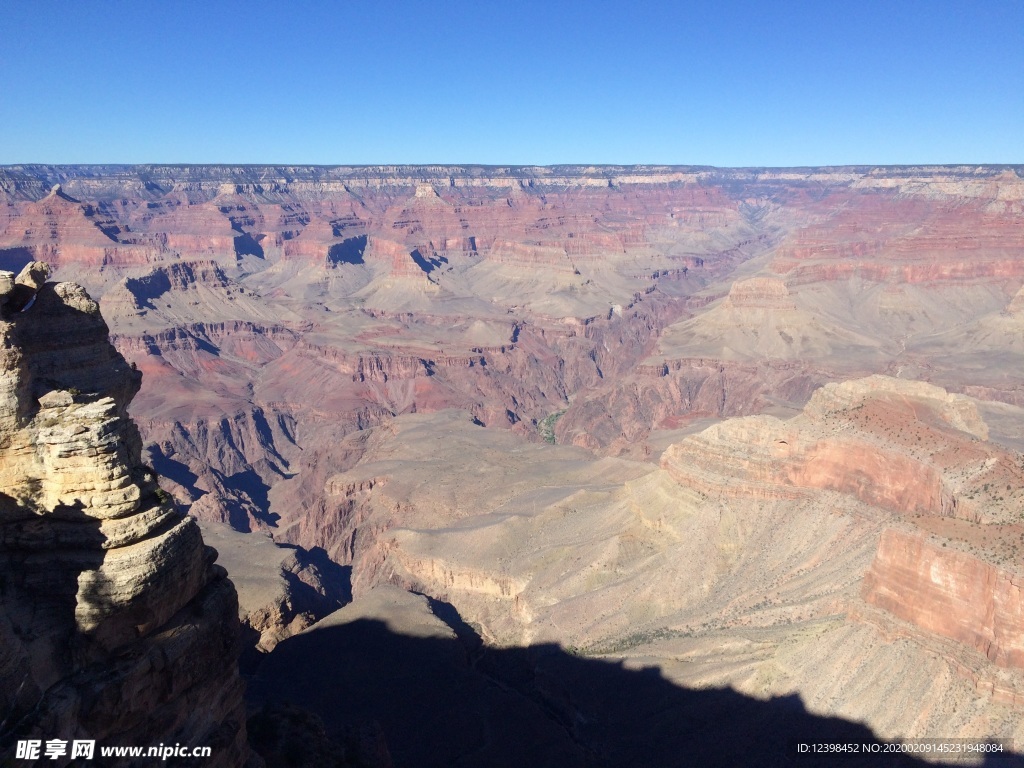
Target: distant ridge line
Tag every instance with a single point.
(470, 168)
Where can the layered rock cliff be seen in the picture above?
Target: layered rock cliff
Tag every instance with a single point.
(904, 446)
(115, 623)
(950, 592)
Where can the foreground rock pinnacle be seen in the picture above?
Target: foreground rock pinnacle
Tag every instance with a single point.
(115, 623)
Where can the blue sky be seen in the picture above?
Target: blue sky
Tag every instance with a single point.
(724, 83)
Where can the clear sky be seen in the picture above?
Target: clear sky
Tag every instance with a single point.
(722, 82)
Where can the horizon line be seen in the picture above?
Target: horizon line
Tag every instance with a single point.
(513, 166)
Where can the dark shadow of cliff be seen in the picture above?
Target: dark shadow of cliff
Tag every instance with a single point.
(174, 470)
(244, 495)
(427, 263)
(348, 251)
(334, 581)
(147, 289)
(246, 245)
(253, 488)
(443, 702)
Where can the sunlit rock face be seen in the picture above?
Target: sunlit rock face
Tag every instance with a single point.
(116, 624)
(950, 593)
(859, 556)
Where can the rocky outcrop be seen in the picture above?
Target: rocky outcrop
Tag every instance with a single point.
(282, 590)
(530, 256)
(116, 624)
(957, 411)
(760, 293)
(908, 447)
(669, 394)
(396, 259)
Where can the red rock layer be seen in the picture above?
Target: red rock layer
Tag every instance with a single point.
(886, 238)
(396, 257)
(760, 293)
(904, 446)
(950, 593)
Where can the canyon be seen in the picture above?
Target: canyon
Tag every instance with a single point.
(724, 440)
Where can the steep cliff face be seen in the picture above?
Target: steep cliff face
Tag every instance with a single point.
(115, 624)
(917, 458)
(951, 593)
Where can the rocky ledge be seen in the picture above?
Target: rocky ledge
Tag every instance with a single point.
(115, 623)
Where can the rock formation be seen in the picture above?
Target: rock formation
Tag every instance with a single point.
(951, 593)
(736, 565)
(906, 446)
(760, 293)
(116, 624)
(636, 299)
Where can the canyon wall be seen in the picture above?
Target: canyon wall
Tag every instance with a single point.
(951, 593)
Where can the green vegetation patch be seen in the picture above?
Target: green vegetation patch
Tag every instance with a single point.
(547, 426)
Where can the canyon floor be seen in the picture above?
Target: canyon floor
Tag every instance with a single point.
(583, 466)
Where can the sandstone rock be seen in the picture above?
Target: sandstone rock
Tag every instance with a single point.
(950, 592)
(117, 625)
(22, 292)
(33, 275)
(760, 293)
(958, 411)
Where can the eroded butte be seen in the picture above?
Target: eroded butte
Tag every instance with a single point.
(720, 441)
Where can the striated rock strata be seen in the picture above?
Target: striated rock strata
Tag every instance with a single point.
(907, 447)
(116, 625)
(951, 593)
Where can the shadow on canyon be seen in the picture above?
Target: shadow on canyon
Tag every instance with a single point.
(348, 251)
(445, 702)
(246, 245)
(242, 494)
